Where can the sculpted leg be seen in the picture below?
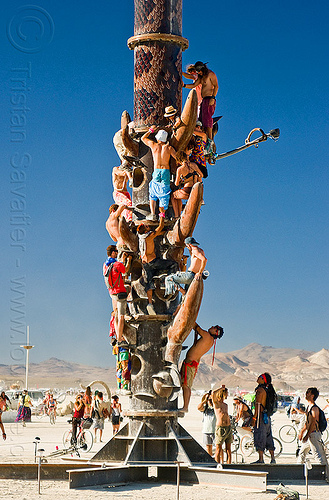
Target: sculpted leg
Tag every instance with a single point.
(184, 321)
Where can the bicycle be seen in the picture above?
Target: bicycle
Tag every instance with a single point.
(84, 440)
(236, 437)
(288, 433)
(247, 446)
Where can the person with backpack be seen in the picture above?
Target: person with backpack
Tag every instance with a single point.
(114, 277)
(311, 433)
(265, 406)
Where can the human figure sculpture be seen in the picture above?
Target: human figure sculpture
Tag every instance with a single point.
(120, 177)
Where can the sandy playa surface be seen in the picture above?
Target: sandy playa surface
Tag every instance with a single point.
(26, 490)
(19, 448)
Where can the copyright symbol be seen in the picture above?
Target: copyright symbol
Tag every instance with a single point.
(30, 29)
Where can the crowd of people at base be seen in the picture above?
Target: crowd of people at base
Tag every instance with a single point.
(92, 410)
(217, 426)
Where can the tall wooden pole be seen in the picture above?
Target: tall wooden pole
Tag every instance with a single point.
(157, 45)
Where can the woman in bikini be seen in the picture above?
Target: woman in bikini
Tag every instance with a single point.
(186, 176)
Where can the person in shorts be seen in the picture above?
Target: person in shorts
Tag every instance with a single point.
(223, 432)
(208, 421)
(116, 411)
(114, 277)
(99, 412)
(159, 187)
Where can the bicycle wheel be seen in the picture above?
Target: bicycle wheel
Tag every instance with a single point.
(278, 448)
(236, 443)
(85, 441)
(67, 439)
(325, 436)
(287, 434)
(247, 445)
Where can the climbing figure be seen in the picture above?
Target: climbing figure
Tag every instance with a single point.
(190, 365)
(186, 176)
(114, 277)
(195, 270)
(151, 263)
(209, 89)
(112, 225)
(159, 187)
(198, 153)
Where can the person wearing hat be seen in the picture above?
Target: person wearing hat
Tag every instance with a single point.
(209, 89)
(203, 341)
(195, 270)
(159, 187)
(172, 116)
(120, 178)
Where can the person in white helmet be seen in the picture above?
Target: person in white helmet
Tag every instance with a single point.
(159, 187)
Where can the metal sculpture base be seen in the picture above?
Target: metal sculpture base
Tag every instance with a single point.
(137, 443)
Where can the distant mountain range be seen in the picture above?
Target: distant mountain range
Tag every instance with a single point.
(291, 369)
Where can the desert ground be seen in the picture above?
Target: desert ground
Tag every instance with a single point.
(19, 448)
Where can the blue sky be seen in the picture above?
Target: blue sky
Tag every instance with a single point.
(264, 225)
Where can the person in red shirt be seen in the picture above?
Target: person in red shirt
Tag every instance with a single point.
(114, 276)
(79, 408)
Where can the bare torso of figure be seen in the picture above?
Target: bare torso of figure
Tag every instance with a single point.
(195, 259)
(161, 155)
(150, 250)
(187, 168)
(208, 84)
(112, 226)
(119, 179)
(221, 412)
(202, 346)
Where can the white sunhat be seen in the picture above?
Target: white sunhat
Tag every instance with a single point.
(161, 136)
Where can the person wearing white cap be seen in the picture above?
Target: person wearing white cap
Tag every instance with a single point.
(159, 187)
(195, 270)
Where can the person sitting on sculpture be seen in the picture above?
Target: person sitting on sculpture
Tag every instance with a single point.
(114, 277)
(159, 187)
(191, 362)
(186, 176)
(174, 120)
(120, 178)
(150, 262)
(112, 225)
(209, 89)
(195, 270)
(198, 154)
